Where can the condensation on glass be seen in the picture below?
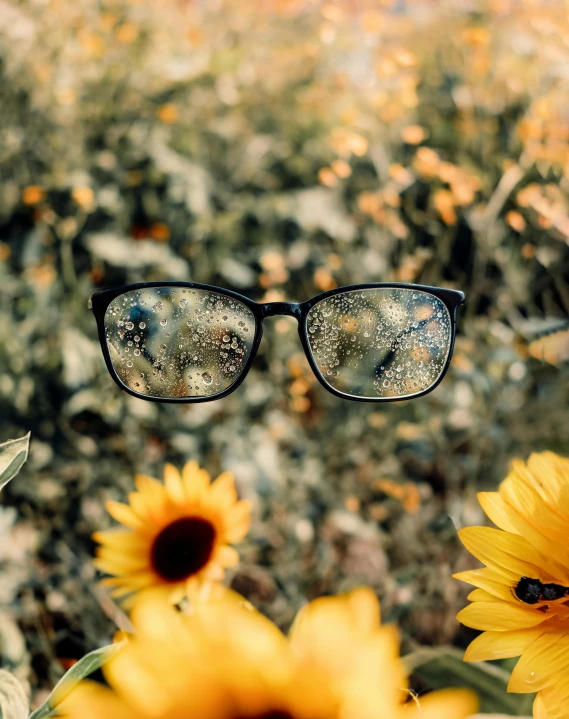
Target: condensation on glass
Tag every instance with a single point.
(174, 342)
(380, 342)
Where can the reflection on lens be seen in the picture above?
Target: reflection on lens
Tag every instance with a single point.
(380, 342)
(174, 342)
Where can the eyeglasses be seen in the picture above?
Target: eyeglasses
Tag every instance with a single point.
(187, 342)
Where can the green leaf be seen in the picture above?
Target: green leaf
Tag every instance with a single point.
(13, 454)
(444, 667)
(13, 698)
(85, 666)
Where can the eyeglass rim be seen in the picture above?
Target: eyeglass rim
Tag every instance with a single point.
(100, 300)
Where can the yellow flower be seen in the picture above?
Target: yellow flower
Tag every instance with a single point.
(227, 661)
(179, 534)
(522, 599)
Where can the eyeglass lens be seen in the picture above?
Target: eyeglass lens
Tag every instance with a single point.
(174, 342)
(380, 343)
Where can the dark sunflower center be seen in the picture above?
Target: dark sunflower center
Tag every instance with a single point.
(183, 548)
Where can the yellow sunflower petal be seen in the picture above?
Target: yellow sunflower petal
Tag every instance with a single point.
(508, 551)
(149, 485)
(356, 611)
(196, 481)
(444, 704)
(363, 605)
(555, 469)
(540, 524)
(167, 594)
(122, 538)
(155, 619)
(497, 583)
(213, 572)
(546, 655)
(124, 514)
(93, 701)
(149, 508)
(132, 561)
(174, 484)
(481, 595)
(553, 702)
(501, 645)
(238, 521)
(222, 490)
(134, 581)
(227, 556)
(497, 510)
(499, 616)
(141, 685)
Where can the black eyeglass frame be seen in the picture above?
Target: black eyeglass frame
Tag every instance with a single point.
(101, 299)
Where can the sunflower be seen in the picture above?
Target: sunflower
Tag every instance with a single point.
(522, 598)
(227, 661)
(178, 537)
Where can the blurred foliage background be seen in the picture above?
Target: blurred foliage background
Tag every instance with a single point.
(279, 148)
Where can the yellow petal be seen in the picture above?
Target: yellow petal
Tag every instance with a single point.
(227, 556)
(546, 655)
(499, 616)
(122, 539)
(140, 684)
(501, 645)
(130, 561)
(151, 508)
(497, 510)
(363, 605)
(213, 572)
(540, 524)
(329, 629)
(553, 702)
(124, 514)
(148, 485)
(352, 613)
(118, 566)
(508, 551)
(92, 701)
(497, 583)
(153, 618)
(174, 484)
(481, 595)
(196, 481)
(550, 475)
(223, 490)
(238, 521)
(444, 704)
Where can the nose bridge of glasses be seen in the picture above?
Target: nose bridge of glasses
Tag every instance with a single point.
(281, 308)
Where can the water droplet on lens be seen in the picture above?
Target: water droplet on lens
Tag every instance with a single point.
(226, 338)
(142, 325)
(129, 326)
(207, 378)
(129, 363)
(136, 353)
(163, 322)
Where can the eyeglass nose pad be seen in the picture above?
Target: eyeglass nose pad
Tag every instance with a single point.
(292, 309)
